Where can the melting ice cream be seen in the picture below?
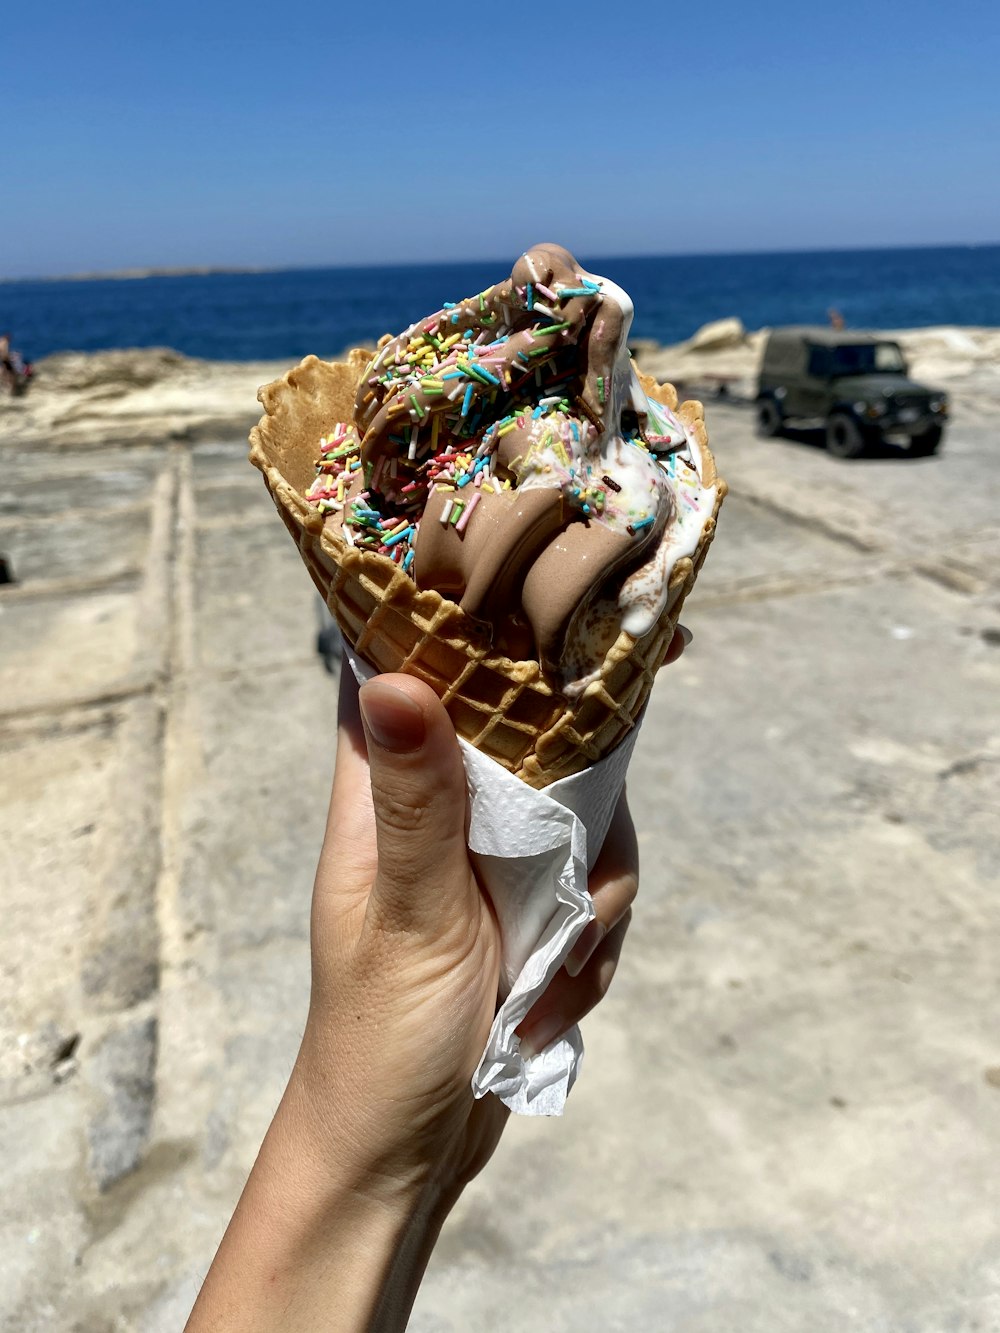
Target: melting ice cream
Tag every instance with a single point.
(504, 453)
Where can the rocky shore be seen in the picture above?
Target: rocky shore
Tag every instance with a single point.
(86, 400)
(789, 1114)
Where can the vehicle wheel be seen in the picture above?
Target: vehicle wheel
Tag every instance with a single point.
(921, 446)
(769, 419)
(844, 438)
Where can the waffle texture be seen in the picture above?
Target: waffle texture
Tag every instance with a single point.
(511, 711)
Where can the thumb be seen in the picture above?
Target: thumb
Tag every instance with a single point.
(419, 798)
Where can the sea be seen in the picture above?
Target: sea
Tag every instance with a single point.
(287, 313)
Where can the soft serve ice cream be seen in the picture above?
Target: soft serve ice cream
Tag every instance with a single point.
(504, 453)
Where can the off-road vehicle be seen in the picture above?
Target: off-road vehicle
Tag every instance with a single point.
(853, 384)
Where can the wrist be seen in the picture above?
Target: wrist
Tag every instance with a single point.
(357, 1138)
(341, 1151)
(407, 1151)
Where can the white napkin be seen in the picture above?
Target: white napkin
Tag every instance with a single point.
(533, 851)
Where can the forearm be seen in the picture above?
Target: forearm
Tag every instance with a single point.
(309, 1247)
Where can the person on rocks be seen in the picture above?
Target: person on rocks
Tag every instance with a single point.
(15, 372)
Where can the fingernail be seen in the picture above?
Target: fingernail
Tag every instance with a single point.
(686, 634)
(391, 718)
(543, 1034)
(581, 951)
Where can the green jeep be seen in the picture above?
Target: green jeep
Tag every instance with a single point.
(854, 384)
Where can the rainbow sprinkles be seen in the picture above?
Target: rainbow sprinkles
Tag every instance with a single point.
(522, 386)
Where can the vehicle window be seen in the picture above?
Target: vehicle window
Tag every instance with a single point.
(819, 362)
(889, 359)
(864, 358)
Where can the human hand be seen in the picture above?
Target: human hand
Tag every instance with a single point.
(405, 949)
(378, 1130)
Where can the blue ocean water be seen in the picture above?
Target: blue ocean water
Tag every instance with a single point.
(289, 313)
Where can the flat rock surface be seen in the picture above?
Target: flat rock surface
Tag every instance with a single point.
(80, 401)
(789, 1113)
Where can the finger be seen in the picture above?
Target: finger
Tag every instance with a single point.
(419, 800)
(568, 999)
(682, 637)
(613, 884)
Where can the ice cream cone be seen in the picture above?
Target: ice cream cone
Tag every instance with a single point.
(511, 711)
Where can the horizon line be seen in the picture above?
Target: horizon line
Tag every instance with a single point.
(140, 273)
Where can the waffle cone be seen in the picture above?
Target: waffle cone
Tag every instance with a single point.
(511, 711)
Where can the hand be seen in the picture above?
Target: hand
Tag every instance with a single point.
(406, 949)
(378, 1130)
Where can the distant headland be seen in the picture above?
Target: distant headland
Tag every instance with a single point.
(134, 274)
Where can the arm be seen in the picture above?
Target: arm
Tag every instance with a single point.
(378, 1132)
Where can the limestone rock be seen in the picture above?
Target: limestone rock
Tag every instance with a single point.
(119, 371)
(718, 336)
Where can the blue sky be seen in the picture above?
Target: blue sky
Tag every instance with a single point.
(272, 134)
